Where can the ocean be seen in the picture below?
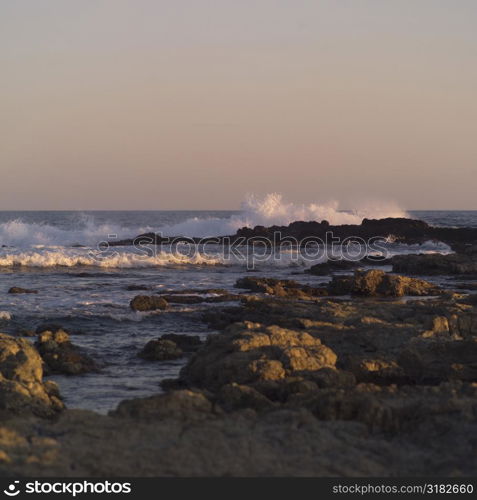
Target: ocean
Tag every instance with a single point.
(82, 286)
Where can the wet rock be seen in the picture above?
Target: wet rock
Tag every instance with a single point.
(61, 356)
(435, 264)
(17, 289)
(148, 303)
(248, 352)
(187, 343)
(21, 380)
(375, 283)
(160, 350)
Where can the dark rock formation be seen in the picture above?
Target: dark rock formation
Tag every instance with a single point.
(402, 229)
(148, 303)
(429, 264)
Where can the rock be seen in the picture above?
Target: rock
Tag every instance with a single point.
(435, 264)
(187, 343)
(21, 380)
(183, 405)
(247, 352)
(233, 397)
(148, 303)
(431, 362)
(160, 350)
(279, 288)
(61, 356)
(377, 283)
(17, 289)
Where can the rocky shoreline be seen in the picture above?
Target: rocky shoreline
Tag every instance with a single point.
(369, 374)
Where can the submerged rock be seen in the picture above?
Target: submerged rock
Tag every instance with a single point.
(21, 380)
(17, 289)
(375, 283)
(148, 303)
(160, 350)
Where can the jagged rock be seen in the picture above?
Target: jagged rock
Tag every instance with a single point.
(375, 283)
(61, 356)
(248, 352)
(148, 303)
(17, 289)
(160, 350)
(21, 380)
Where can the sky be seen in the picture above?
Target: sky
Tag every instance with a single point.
(191, 104)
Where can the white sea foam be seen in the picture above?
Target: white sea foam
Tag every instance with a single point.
(120, 259)
(130, 258)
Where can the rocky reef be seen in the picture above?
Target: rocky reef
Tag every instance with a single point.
(401, 229)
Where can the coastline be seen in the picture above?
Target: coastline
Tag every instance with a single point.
(370, 374)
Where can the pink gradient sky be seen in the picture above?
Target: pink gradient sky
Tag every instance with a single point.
(141, 104)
